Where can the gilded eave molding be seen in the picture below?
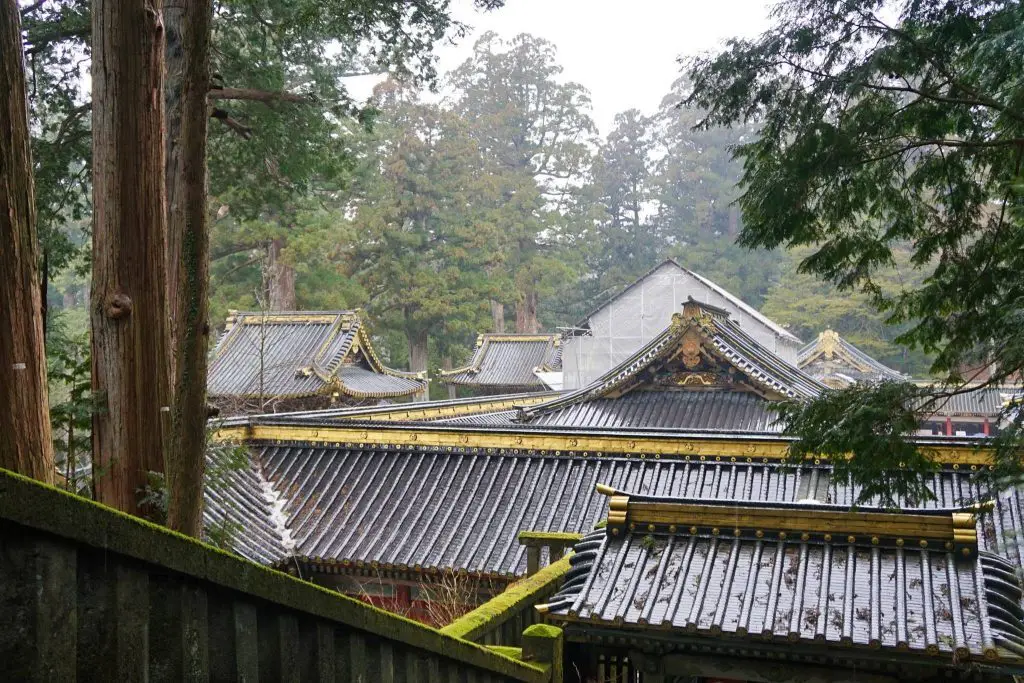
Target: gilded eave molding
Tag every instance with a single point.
(932, 529)
(696, 448)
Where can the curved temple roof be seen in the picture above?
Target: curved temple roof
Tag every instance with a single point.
(689, 568)
(837, 362)
(296, 354)
(723, 379)
(509, 362)
(400, 508)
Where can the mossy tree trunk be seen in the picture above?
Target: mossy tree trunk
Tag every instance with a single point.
(130, 365)
(446, 364)
(418, 341)
(282, 279)
(187, 28)
(497, 316)
(526, 311)
(25, 442)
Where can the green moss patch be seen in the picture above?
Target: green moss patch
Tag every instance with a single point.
(523, 594)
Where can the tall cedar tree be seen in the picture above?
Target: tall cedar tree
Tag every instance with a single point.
(25, 443)
(531, 124)
(130, 363)
(424, 228)
(888, 126)
(187, 70)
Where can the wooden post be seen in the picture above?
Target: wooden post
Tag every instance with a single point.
(532, 560)
(545, 644)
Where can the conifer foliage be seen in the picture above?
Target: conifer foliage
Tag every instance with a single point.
(889, 128)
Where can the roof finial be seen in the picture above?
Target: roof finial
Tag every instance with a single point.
(691, 309)
(829, 342)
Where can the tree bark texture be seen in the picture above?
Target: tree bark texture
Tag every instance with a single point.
(281, 279)
(130, 366)
(25, 443)
(497, 316)
(187, 54)
(526, 313)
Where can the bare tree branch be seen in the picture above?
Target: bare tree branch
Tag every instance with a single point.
(238, 127)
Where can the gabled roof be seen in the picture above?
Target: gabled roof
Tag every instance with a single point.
(725, 294)
(509, 361)
(913, 582)
(832, 359)
(702, 352)
(297, 354)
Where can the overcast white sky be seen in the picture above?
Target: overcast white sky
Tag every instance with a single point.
(623, 52)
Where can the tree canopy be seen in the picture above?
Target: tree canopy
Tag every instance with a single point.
(887, 129)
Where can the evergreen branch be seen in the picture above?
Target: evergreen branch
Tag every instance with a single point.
(931, 56)
(36, 43)
(265, 96)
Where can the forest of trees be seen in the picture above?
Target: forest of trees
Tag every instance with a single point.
(494, 205)
(161, 165)
(449, 204)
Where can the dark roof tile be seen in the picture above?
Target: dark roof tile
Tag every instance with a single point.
(295, 354)
(508, 361)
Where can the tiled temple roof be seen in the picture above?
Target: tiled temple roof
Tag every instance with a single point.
(642, 409)
(690, 568)
(982, 402)
(835, 361)
(508, 361)
(296, 354)
(399, 508)
(701, 372)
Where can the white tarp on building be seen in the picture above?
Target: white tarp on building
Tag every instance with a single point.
(644, 309)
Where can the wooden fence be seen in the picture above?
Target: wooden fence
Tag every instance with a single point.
(90, 594)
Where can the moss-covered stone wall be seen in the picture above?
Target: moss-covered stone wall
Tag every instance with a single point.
(90, 593)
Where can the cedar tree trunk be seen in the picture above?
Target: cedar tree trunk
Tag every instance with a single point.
(282, 280)
(526, 312)
(130, 366)
(497, 316)
(187, 27)
(418, 356)
(25, 443)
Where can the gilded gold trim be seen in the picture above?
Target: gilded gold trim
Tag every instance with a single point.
(739, 451)
(957, 529)
(250, 318)
(811, 521)
(400, 414)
